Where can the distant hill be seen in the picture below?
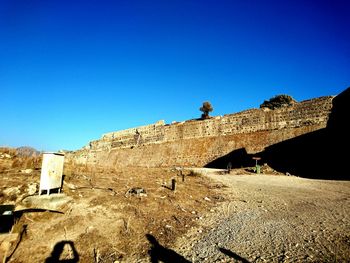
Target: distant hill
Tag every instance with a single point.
(26, 151)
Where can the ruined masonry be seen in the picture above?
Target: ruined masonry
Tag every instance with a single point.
(198, 142)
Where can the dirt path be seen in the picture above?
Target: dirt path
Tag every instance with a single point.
(274, 219)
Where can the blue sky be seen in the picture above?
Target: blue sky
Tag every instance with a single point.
(73, 70)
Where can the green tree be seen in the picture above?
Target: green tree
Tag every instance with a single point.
(206, 108)
(278, 101)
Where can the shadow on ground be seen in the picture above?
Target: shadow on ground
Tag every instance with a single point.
(59, 249)
(158, 253)
(321, 154)
(233, 255)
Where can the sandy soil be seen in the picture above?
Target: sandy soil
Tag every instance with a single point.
(212, 217)
(274, 219)
(98, 219)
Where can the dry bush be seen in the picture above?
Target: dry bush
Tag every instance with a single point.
(9, 151)
(26, 162)
(278, 101)
(17, 162)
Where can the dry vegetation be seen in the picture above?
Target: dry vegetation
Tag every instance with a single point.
(10, 158)
(103, 219)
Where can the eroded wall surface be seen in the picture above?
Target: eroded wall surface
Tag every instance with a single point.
(198, 142)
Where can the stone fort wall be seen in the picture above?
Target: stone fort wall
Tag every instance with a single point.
(197, 142)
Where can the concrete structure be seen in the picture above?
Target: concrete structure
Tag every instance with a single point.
(51, 172)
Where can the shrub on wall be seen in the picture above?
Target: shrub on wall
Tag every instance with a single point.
(278, 102)
(206, 108)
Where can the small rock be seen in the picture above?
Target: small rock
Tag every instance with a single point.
(12, 191)
(27, 171)
(89, 229)
(137, 191)
(32, 188)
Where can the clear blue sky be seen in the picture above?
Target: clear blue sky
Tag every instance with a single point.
(73, 70)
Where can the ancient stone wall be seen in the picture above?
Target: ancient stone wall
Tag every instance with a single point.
(197, 142)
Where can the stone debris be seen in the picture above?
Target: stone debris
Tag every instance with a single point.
(5, 156)
(27, 171)
(136, 191)
(49, 202)
(32, 188)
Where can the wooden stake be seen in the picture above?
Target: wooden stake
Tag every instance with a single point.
(173, 184)
(182, 175)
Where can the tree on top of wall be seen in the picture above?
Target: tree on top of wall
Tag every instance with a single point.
(278, 101)
(206, 108)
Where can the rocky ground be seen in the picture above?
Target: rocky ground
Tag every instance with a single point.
(211, 217)
(101, 216)
(273, 219)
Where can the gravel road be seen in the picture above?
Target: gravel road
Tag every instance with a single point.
(273, 219)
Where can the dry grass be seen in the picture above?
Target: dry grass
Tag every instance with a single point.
(106, 223)
(16, 161)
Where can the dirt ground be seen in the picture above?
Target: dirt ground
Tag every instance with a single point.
(212, 217)
(274, 219)
(98, 218)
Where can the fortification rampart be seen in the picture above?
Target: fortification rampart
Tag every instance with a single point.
(197, 142)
